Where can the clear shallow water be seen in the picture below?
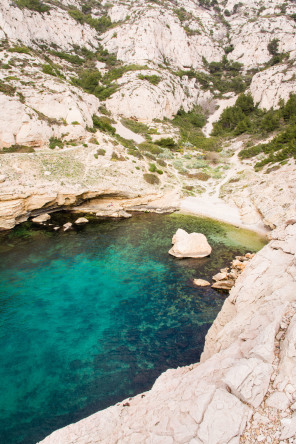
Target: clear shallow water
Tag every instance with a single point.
(90, 317)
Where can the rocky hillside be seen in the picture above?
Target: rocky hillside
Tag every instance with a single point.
(96, 93)
(142, 60)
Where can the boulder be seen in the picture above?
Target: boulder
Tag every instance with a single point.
(81, 221)
(2, 178)
(201, 282)
(41, 219)
(193, 245)
(67, 226)
(224, 285)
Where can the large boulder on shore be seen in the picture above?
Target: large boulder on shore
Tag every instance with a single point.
(189, 245)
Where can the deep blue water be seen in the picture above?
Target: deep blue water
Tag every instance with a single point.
(90, 317)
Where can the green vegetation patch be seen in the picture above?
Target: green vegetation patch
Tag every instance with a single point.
(100, 25)
(138, 127)
(54, 142)
(17, 149)
(151, 178)
(190, 125)
(7, 89)
(33, 5)
(224, 76)
(153, 79)
(103, 123)
(244, 117)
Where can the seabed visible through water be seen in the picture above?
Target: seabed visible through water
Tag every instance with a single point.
(95, 315)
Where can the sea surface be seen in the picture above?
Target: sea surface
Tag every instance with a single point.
(94, 315)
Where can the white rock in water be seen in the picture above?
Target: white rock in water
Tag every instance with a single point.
(193, 245)
(67, 226)
(201, 282)
(41, 219)
(81, 221)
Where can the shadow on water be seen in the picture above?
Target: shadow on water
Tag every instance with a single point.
(95, 315)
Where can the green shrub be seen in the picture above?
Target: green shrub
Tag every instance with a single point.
(151, 178)
(137, 127)
(17, 149)
(150, 147)
(167, 143)
(273, 47)
(51, 70)
(101, 152)
(152, 168)
(94, 141)
(161, 162)
(103, 123)
(199, 176)
(101, 24)
(153, 79)
(33, 5)
(71, 58)
(54, 142)
(7, 89)
(20, 49)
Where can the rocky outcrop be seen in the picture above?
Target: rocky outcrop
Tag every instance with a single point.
(54, 27)
(247, 365)
(145, 101)
(272, 85)
(189, 245)
(225, 279)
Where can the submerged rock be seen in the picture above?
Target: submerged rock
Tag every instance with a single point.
(201, 282)
(41, 219)
(81, 221)
(193, 245)
(67, 226)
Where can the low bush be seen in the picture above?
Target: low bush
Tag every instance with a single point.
(151, 178)
(103, 123)
(137, 127)
(54, 142)
(7, 89)
(33, 5)
(167, 143)
(20, 49)
(17, 149)
(153, 79)
(150, 147)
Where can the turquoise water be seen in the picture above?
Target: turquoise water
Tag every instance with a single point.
(92, 316)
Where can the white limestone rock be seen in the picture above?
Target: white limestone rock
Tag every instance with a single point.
(248, 379)
(53, 28)
(193, 245)
(81, 221)
(201, 282)
(41, 219)
(67, 226)
(272, 85)
(278, 400)
(140, 99)
(224, 420)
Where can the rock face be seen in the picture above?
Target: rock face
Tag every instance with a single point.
(193, 245)
(249, 353)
